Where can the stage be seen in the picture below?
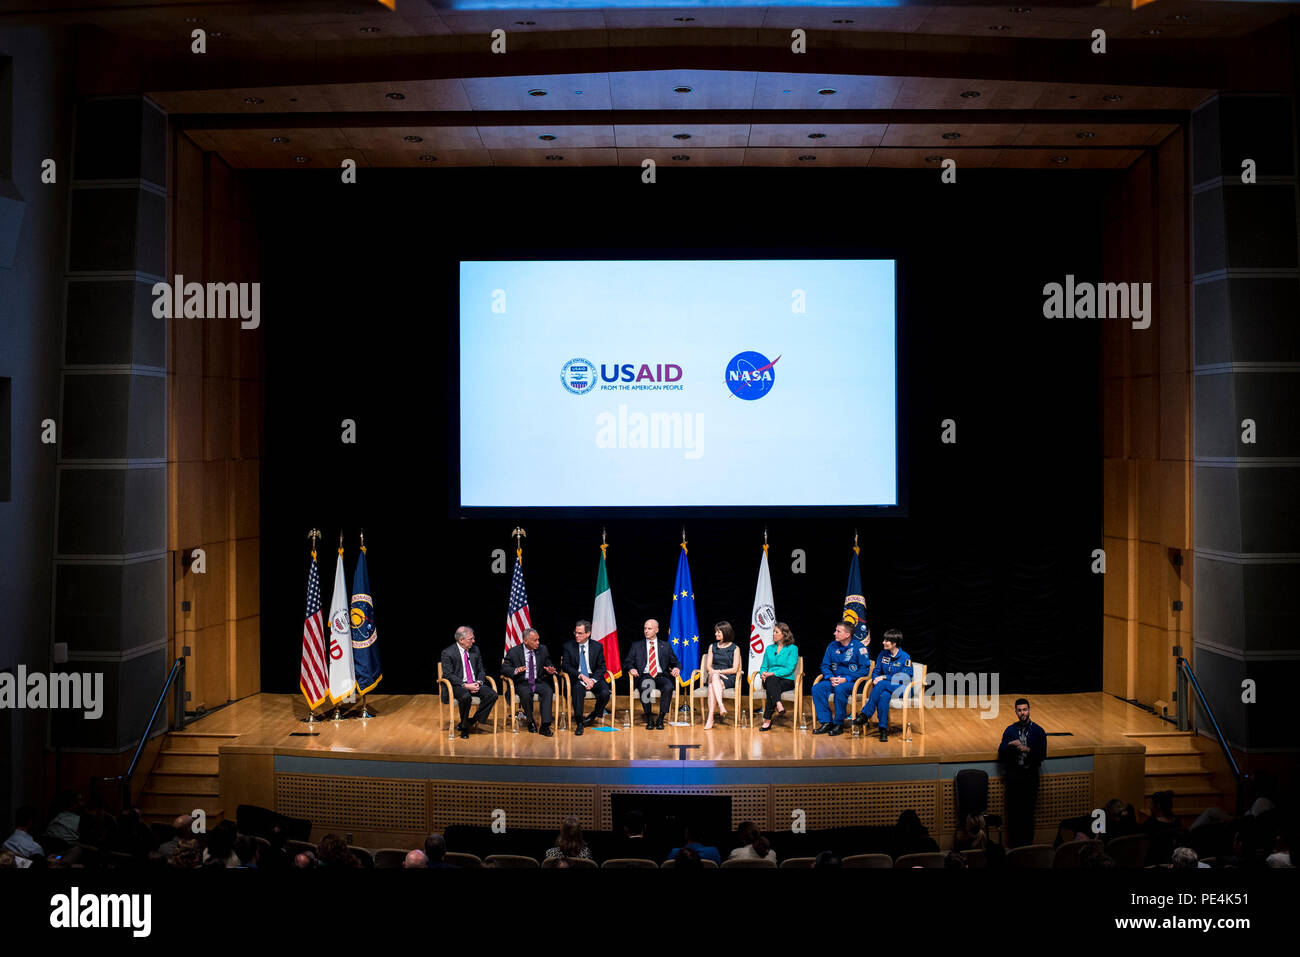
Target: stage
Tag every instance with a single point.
(390, 779)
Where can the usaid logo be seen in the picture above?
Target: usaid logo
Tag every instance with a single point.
(578, 376)
(750, 376)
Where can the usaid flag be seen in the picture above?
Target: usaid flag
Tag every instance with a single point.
(365, 635)
(684, 627)
(343, 679)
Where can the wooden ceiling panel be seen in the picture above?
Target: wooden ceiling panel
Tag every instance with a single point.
(581, 91)
(862, 19)
(529, 137)
(414, 95)
(919, 158)
(270, 159)
(813, 158)
(522, 21)
(1074, 159)
(253, 100)
(970, 134)
(388, 138)
(685, 18)
(667, 159)
(577, 157)
(294, 140)
(943, 93)
(656, 90)
(800, 91)
(1067, 96)
(427, 159)
(702, 136)
(797, 136)
(1103, 134)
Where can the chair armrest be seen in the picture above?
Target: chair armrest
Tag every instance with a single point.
(491, 684)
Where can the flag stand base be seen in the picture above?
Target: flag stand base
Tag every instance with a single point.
(365, 709)
(310, 719)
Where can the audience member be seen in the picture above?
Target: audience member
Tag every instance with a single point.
(181, 831)
(708, 853)
(687, 859)
(219, 846)
(333, 852)
(246, 852)
(435, 849)
(827, 859)
(416, 859)
(569, 843)
(21, 842)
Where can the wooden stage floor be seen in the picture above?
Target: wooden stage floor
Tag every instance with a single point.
(413, 728)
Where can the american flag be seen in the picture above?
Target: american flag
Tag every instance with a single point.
(517, 620)
(312, 676)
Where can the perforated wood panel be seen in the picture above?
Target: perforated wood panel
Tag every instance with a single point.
(841, 805)
(525, 805)
(1059, 796)
(747, 803)
(362, 804)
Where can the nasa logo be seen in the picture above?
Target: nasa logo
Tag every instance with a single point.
(750, 376)
(578, 376)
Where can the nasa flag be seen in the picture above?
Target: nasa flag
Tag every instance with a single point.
(763, 617)
(343, 679)
(855, 606)
(365, 633)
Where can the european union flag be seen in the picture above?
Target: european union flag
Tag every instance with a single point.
(684, 627)
(365, 636)
(855, 606)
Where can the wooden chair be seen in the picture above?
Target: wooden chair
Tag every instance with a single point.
(363, 855)
(854, 708)
(452, 712)
(913, 696)
(1129, 850)
(800, 863)
(578, 862)
(294, 848)
(699, 686)
(509, 698)
(748, 862)
(390, 857)
(633, 697)
(630, 862)
(1067, 855)
(566, 686)
(757, 693)
(462, 860)
(926, 859)
(513, 861)
(977, 859)
(707, 864)
(868, 860)
(1030, 856)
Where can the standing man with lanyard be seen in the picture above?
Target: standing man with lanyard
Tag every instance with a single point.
(1023, 748)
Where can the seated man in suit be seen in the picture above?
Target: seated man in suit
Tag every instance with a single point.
(462, 666)
(651, 663)
(526, 665)
(583, 660)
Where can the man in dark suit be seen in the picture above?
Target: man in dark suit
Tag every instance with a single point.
(528, 665)
(1023, 748)
(583, 661)
(462, 666)
(652, 664)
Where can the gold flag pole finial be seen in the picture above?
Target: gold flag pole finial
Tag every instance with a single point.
(312, 537)
(764, 538)
(519, 533)
(340, 541)
(684, 539)
(603, 544)
(363, 539)
(855, 542)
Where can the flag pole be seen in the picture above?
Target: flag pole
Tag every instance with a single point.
(312, 537)
(365, 710)
(338, 711)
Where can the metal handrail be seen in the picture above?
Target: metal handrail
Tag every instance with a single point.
(178, 721)
(1185, 671)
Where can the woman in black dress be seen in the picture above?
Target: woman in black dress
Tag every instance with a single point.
(725, 669)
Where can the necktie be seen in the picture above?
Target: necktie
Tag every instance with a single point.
(469, 672)
(583, 669)
(652, 668)
(532, 672)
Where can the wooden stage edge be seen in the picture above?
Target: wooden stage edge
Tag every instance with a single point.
(392, 778)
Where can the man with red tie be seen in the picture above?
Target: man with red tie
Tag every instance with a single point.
(652, 664)
(462, 666)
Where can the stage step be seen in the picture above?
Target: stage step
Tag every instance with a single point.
(186, 775)
(183, 782)
(1188, 762)
(177, 761)
(1165, 742)
(196, 742)
(163, 817)
(1180, 782)
(153, 802)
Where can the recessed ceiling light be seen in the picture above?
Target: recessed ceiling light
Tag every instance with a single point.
(428, 158)
(681, 89)
(1085, 134)
(215, 35)
(536, 92)
(681, 136)
(807, 156)
(194, 20)
(1019, 9)
(934, 159)
(577, 93)
(1180, 17)
(370, 29)
(525, 23)
(970, 94)
(547, 137)
(293, 99)
(279, 139)
(1112, 97)
(999, 26)
(1152, 32)
(841, 21)
(1073, 96)
(1060, 159)
(302, 159)
(816, 136)
(826, 92)
(554, 156)
(413, 139)
(253, 100)
(952, 136)
(684, 19)
(680, 157)
(394, 96)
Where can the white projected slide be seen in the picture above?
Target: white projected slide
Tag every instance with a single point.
(678, 383)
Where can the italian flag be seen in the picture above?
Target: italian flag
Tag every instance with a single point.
(603, 628)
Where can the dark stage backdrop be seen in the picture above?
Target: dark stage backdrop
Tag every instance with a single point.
(989, 570)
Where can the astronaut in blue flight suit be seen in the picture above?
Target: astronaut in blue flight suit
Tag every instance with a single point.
(893, 672)
(843, 664)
